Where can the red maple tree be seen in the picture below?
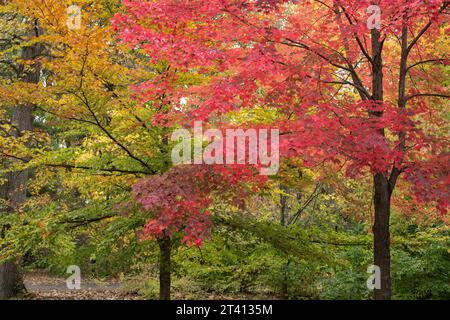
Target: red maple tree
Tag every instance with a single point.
(370, 99)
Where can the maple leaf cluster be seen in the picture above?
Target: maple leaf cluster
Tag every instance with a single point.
(296, 56)
(179, 199)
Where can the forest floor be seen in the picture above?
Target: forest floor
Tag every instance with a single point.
(42, 286)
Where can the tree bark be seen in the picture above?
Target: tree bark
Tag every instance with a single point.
(283, 218)
(11, 283)
(382, 238)
(382, 195)
(14, 189)
(165, 247)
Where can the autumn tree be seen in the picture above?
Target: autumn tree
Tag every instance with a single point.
(361, 96)
(75, 84)
(98, 141)
(20, 69)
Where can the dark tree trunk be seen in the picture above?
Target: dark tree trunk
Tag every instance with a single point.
(14, 189)
(382, 196)
(283, 218)
(11, 283)
(165, 248)
(381, 240)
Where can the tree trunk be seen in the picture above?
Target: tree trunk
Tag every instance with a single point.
(14, 189)
(283, 218)
(382, 196)
(165, 247)
(11, 283)
(382, 239)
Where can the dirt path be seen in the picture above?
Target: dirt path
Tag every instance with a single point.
(42, 286)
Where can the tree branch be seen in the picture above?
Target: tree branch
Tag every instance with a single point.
(438, 95)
